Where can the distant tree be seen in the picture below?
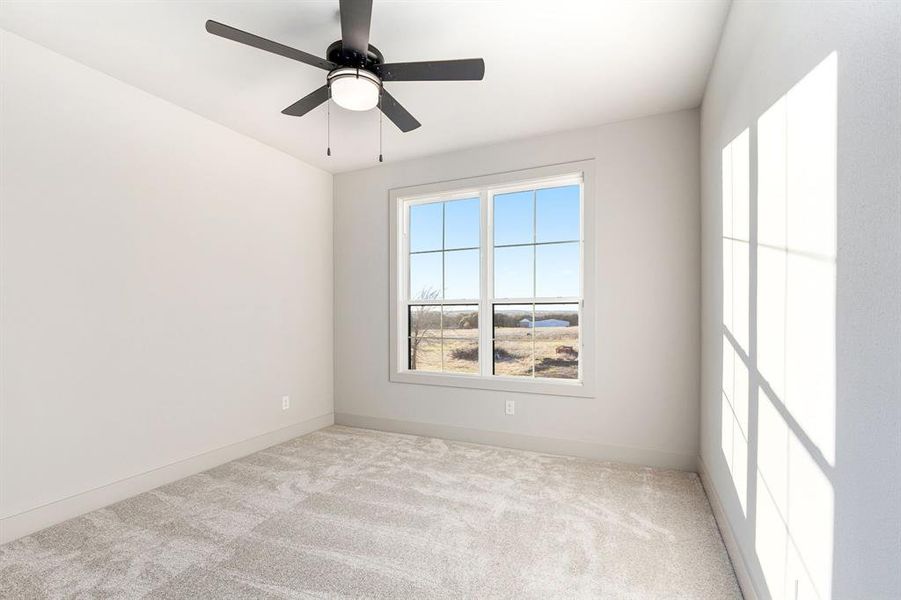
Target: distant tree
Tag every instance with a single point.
(421, 322)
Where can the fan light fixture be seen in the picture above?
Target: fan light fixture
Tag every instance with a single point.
(354, 89)
(356, 70)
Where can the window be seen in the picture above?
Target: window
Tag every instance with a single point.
(443, 275)
(488, 282)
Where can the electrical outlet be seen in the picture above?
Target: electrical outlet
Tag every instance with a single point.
(286, 402)
(510, 407)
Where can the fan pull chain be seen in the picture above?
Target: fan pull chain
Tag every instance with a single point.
(380, 124)
(328, 123)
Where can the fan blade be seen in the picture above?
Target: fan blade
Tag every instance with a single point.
(307, 103)
(242, 37)
(356, 17)
(397, 113)
(466, 69)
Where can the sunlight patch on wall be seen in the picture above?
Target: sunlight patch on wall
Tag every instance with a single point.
(736, 315)
(734, 439)
(794, 510)
(796, 274)
(736, 237)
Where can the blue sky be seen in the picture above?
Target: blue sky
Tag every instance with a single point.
(547, 216)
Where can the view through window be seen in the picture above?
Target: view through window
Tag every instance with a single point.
(513, 254)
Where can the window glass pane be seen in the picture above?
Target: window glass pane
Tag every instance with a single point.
(557, 321)
(425, 354)
(425, 321)
(512, 321)
(461, 274)
(513, 357)
(557, 214)
(513, 218)
(557, 341)
(461, 223)
(460, 322)
(557, 359)
(425, 226)
(461, 355)
(425, 276)
(557, 270)
(513, 272)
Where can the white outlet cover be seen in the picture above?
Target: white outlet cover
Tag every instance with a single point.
(510, 407)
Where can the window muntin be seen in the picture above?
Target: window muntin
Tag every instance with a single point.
(528, 239)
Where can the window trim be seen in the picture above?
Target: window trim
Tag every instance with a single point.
(485, 187)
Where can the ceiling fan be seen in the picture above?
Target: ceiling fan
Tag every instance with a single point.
(356, 69)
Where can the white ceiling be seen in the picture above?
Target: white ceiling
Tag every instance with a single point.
(550, 65)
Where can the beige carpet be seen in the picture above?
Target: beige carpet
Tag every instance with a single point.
(355, 513)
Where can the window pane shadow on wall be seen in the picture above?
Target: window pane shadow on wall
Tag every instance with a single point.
(778, 407)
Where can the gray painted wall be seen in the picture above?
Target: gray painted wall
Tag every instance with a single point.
(165, 281)
(767, 48)
(646, 404)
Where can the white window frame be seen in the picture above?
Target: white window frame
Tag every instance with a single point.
(485, 188)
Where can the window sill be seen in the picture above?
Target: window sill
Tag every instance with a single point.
(548, 387)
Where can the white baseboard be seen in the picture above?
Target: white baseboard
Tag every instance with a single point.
(35, 519)
(739, 564)
(635, 456)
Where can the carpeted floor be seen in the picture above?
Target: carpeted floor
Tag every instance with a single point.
(356, 513)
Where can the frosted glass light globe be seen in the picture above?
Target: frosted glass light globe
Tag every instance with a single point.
(354, 89)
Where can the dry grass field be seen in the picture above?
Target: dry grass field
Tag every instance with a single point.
(556, 351)
(551, 351)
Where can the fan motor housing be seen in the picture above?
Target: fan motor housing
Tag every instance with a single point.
(349, 58)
